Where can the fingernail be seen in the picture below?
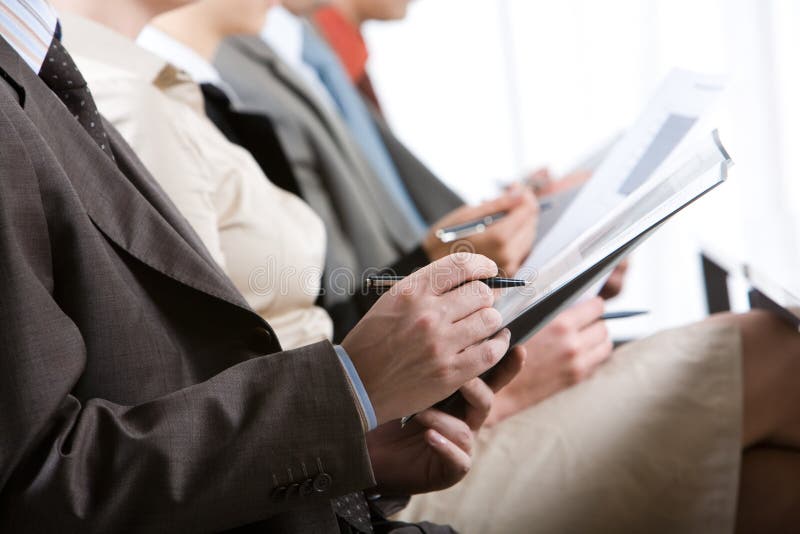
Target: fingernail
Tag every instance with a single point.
(437, 438)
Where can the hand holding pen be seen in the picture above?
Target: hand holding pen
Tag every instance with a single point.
(505, 238)
(420, 343)
(478, 226)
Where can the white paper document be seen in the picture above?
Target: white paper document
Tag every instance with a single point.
(669, 123)
(596, 250)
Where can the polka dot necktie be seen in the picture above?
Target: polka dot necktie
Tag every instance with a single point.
(354, 510)
(62, 76)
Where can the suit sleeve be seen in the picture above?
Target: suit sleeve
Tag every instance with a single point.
(207, 457)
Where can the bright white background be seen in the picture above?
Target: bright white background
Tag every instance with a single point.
(485, 90)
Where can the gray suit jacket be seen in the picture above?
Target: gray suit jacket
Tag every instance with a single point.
(139, 392)
(366, 230)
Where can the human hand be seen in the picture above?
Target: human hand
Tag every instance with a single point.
(616, 281)
(539, 180)
(427, 336)
(433, 451)
(570, 181)
(507, 241)
(562, 354)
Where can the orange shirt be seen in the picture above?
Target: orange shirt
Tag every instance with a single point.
(346, 40)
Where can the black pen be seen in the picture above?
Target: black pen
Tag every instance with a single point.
(478, 226)
(622, 314)
(382, 282)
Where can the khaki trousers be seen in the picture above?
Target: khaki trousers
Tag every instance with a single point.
(650, 443)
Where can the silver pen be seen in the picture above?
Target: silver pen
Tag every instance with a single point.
(477, 226)
(467, 229)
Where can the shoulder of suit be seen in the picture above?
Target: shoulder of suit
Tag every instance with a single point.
(249, 46)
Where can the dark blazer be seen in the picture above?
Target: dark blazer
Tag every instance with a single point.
(139, 392)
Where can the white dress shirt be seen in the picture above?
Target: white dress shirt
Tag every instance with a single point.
(183, 57)
(28, 26)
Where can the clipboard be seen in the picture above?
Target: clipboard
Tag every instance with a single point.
(529, 321)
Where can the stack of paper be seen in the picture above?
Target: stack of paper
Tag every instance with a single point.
(597, 250)
(669, 125)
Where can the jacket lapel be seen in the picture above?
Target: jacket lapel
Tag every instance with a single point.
(263, 54)
(123, 200)
(11, 69)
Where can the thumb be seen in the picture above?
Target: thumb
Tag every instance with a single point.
(508, 368)
(506, 202)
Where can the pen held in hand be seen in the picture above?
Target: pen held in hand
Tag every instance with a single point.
(384, 282)
(467, 229)
(477, 226)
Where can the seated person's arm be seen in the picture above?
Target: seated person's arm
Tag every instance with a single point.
(564, 353)
(434, 450)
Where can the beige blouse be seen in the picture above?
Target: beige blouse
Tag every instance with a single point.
(268, 241)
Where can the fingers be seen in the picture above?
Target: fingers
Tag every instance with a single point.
(457, 463)
(595, 357)
(519, 246)
(524, 210)
(509, 240)
(597, 348)
(518, 202)
(593, 335)
(584, 313)
(539, 179)
(480, 357)
(478, 397)
(475, 328)
(612, 287)
(615, 282)
(505, 202)
(508, 368)
(451, 428)
(466, 300)
(451, 271)
(567, 182)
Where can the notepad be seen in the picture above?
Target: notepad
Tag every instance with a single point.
(597, 250)
(671, 122)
